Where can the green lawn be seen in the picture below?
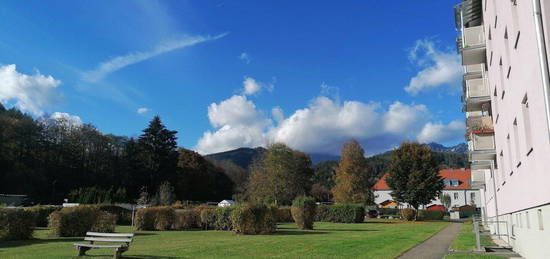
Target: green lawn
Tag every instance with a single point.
(376, 239)
(466, 241)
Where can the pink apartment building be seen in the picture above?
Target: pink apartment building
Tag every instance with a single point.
(504, 46)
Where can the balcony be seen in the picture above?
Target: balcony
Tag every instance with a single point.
(477, 89)
(479, 123)
(478, 179)
(472, 45)
(474, 71)
(481, 144)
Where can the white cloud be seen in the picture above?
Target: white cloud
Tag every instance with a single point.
(321, 127)
(66, 118)
(245, 57)
(437, 68)
(31, 93)
(277, 114)
(437, 132)
(120, 62)
(238, 124)
(251, 86)
(143, 110)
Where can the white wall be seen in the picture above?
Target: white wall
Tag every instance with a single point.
(464, 197)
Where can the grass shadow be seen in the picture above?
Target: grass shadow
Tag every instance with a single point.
(298, 232)
(16, 243)
(131, 256)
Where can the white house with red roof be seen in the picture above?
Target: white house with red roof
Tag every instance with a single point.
(457, 186)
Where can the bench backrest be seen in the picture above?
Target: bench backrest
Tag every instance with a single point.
(109, 237)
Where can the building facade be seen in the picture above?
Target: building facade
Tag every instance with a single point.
(457, 186)
(504, 46)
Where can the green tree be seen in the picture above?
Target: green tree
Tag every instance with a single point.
(280, 175)
(158, 153)
(353, 179)
(413, 175)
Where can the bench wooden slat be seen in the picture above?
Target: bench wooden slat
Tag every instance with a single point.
(99, 246)
(100, 239)
(97, 234)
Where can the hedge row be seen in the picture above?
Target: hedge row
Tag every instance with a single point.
(124, 216)
(245, 219)
(284, 215)
(16, 224)
(76, 221)
(340, 213)
(430, 215)
(254, 219)
(41, 213)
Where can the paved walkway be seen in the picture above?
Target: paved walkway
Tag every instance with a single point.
(436, 247)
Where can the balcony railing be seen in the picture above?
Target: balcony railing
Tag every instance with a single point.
(478, 179)
(477, 88)
(479, 123)
(476, 69)
(473, 37)
(481, 140)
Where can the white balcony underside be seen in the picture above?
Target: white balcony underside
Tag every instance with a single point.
(473, 55)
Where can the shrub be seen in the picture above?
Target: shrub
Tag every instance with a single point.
(105, 222)
(41, 213)
(430, 215)
(408, 214)
(253, 219)
(323, 214)
(186, 219)
(284, 215)
(16, 224)
(208, 217)
(347, 213)
(124, 216)
(223, 218)
(76, 221)
(303, 212)
(155, 218)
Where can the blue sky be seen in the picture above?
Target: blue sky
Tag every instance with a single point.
(227, 74)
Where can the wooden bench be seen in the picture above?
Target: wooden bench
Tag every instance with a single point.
(120, 242)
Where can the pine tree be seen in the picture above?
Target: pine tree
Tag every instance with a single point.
(158, 153)
(353, 179)
(413, 175)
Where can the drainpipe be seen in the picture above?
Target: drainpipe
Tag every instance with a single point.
(543, 58)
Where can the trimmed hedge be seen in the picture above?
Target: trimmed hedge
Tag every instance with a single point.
(430, 215)
(284, 215)
(124, 216)
(408, 214)
(41, 213)
(155, 218)
(388, 211)
(254, 219)
(223, 218)
(303, 212)
(76, 221)
(207, 218)
(341, 213)
(186, 219)
(16, 224)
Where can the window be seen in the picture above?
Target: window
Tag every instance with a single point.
(509, 147)
(516, 143)
(473, 197)
(509, 70)
(517, 40)
(491, 59)
(496, 21)
(456, 195)
(527, 124)
(528, 224)
(539, 215)
(506, 33)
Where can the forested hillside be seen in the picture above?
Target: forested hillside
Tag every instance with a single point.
(51, 159)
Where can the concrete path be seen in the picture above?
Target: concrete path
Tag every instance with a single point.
(436, 247)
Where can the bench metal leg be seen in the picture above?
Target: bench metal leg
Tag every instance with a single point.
(82, 250)
(118, 253)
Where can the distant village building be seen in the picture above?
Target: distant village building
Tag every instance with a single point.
(226, 203)
(457, 186)
(13, 199)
